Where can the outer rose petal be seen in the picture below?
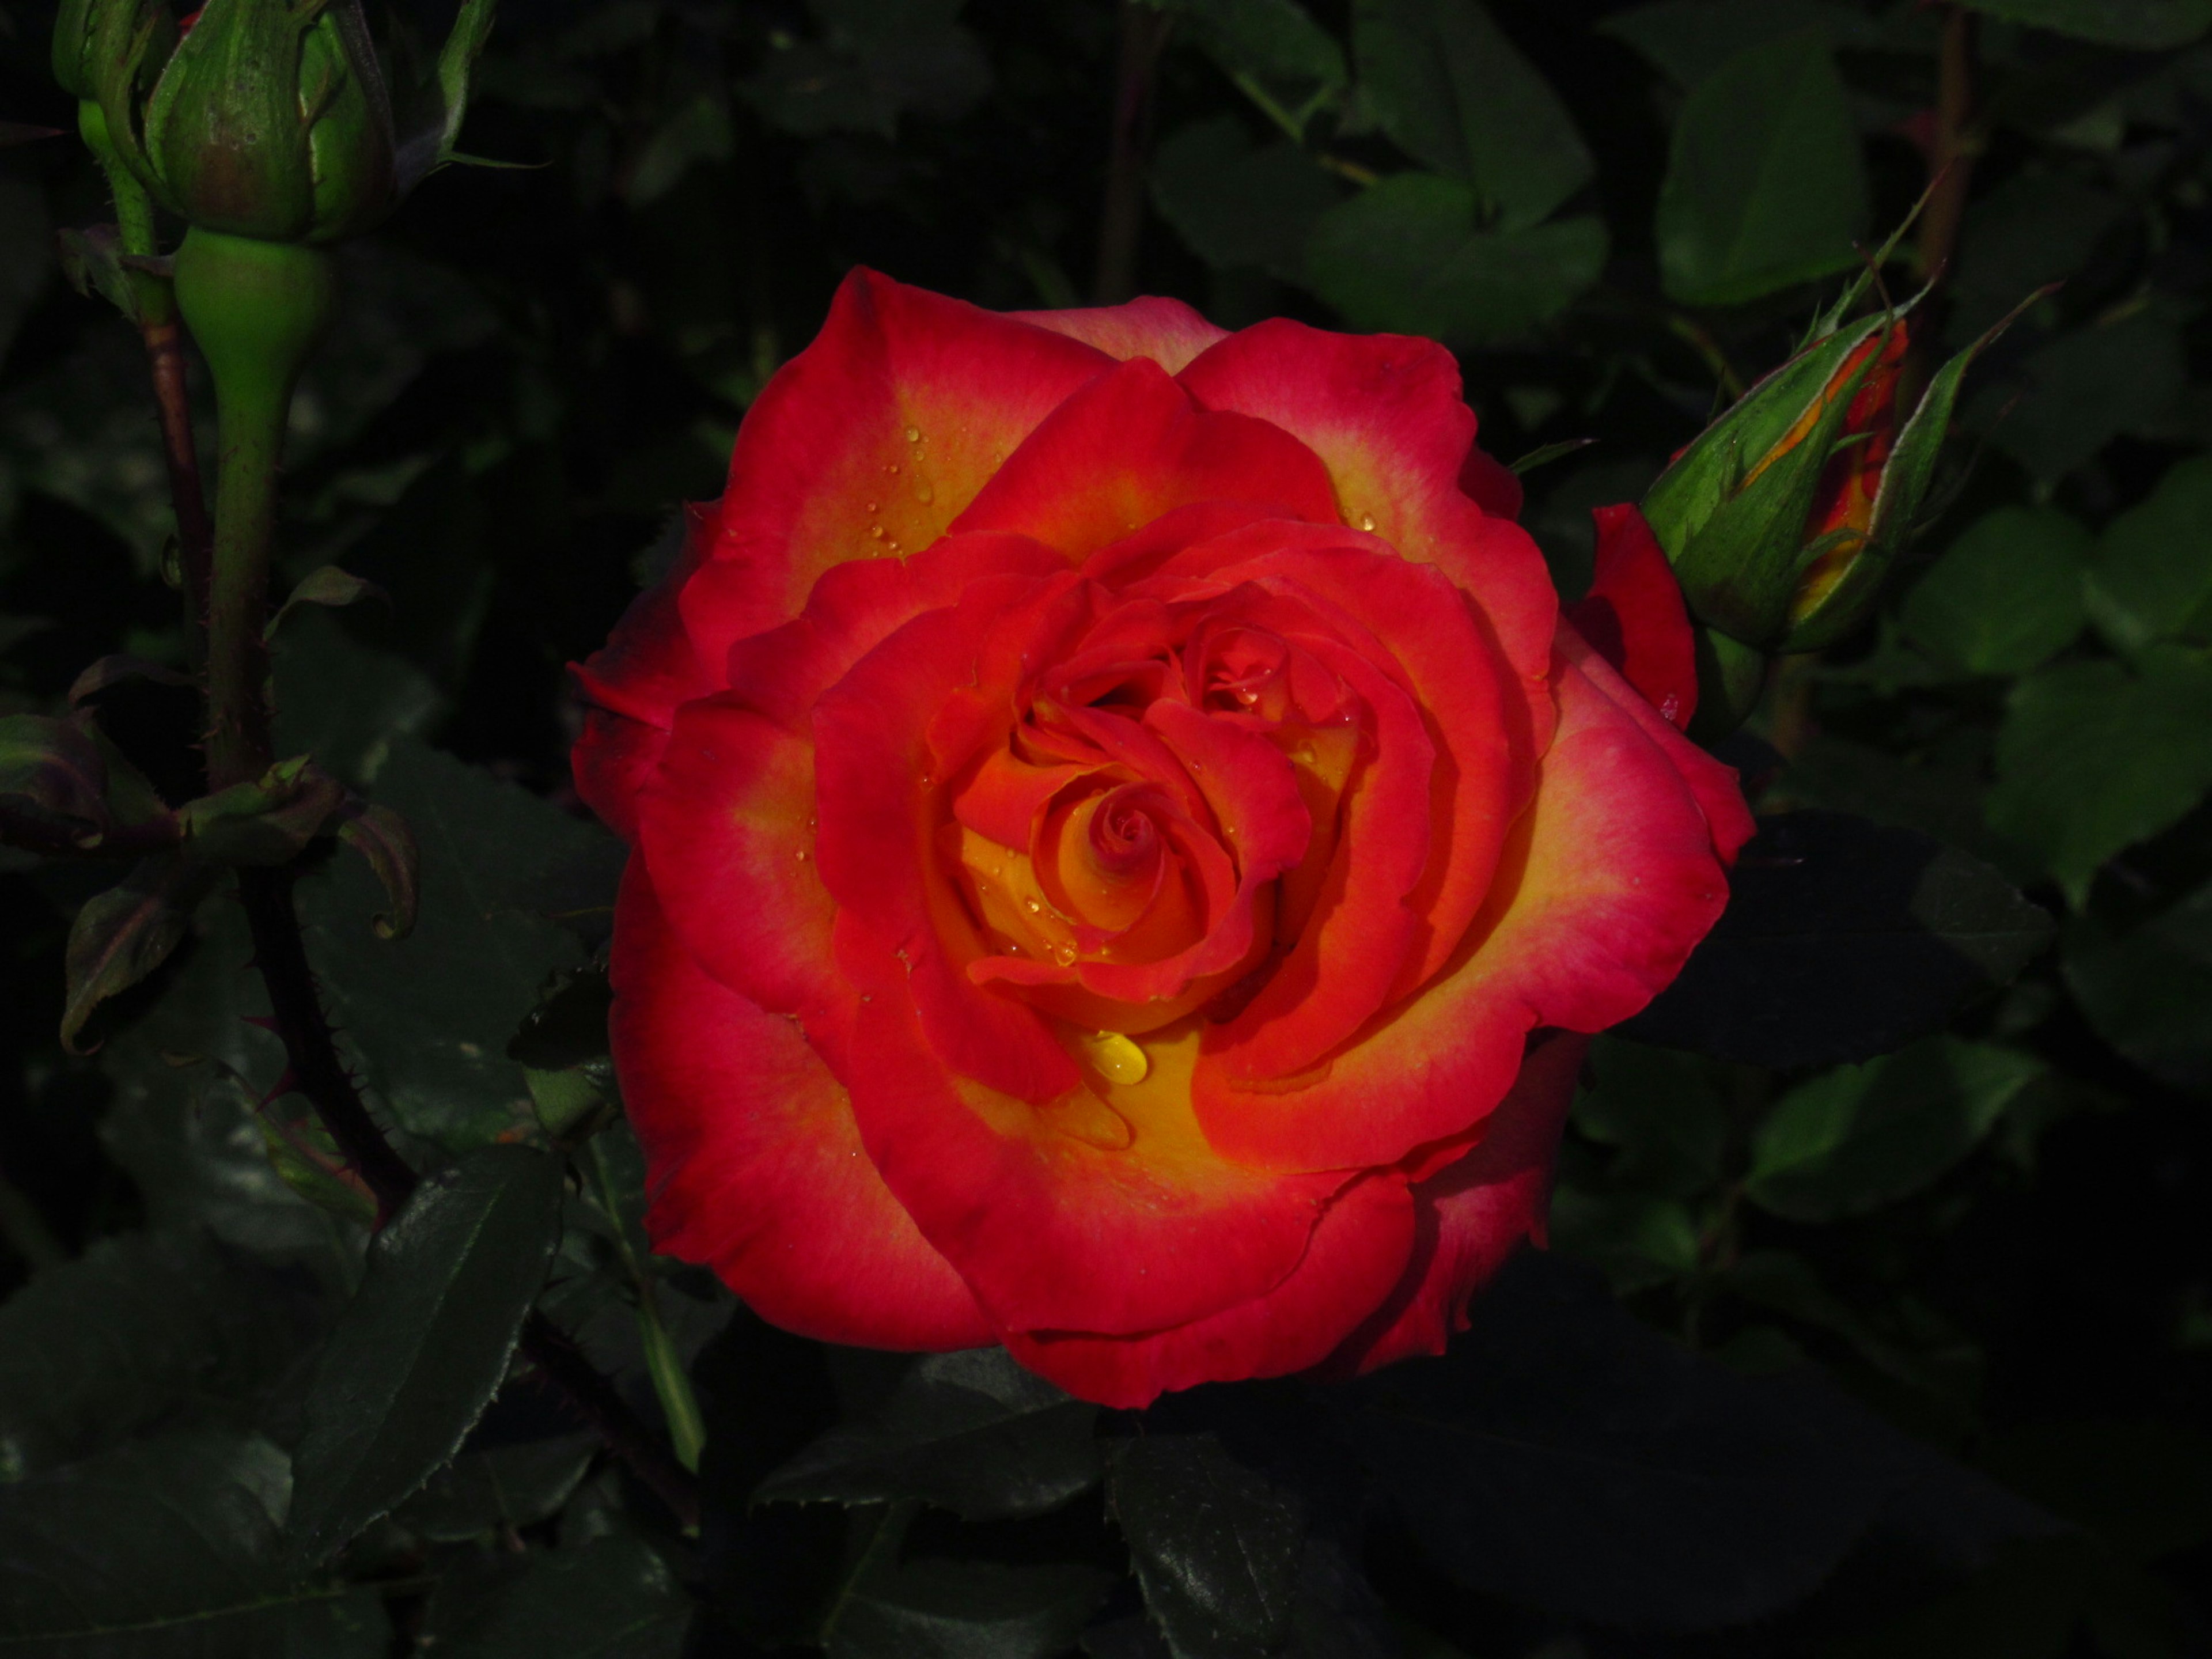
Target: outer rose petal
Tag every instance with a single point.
(632, 685)
(753, 1161)
(1634, 617)
(1471, 1215)
(1359, 1252)
(1132, 445)
(1167, 330)
(1609, 879)
(1495, 486)
(823, 460)
(1076, 1215)
(1384, 413)
(725, 821)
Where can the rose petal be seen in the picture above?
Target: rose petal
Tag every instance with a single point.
(1359, 1249)
(1166, 330)
(1472, 1214)
(823, 459)
(1106, 1211)
(753, 1161)
(1607, 882)
(1634, 617)
(1130, 446)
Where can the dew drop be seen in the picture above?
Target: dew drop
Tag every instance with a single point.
(876, 531)
(1033, 907)
(925, 493)
(1118, 1058)
(914, 435)
(800, 855)
(1064, 954)
(1367, 521)
(894, 546)
(1304, 755)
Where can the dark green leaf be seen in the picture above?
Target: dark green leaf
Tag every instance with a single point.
(2143, 1487)
(424, 1344)
(971, 1432)
(937, 1609)
(2075, 395)
(167, 1549)
(1273, 49)
(1688, 40)
(328, 586)
(126, 933)
(1406, 256)
(1215, 1545)
(2147, 991)
(501, 1487)
(2145, 25)
(1862, 1136)
(1564, 1456)
(1456, 94)
(1237, 204)
(1765, 183)
(2034, 229)
(2093, 758)
(2151, 576)
(1841, 940)
(139, 1329)
(875, 60)
(2006, 597)
(1662, 1109)
(1637, 1239)
(344, 702)
(381, 836)
(430, 1015)
(612, 1598)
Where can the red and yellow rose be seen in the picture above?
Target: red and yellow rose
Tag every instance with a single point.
(1125, 844)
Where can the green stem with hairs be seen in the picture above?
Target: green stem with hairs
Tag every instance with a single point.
(257, 310)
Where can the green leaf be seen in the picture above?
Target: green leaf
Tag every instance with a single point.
(430, 1015)
(1406, 256)
(2146, 991)
(1841, 940)
(1636, 1239)
(2073, 397)
(123, 934)
(2152, 577)
(2093, 758)
(1216, 1546)
(344, 702)
(1862, 1136)
(2006, 597)
(971, 1432)
(1764, 185)
(940, 1609)
(1662, 1109)
(1688, 40)
(874, 61)
(2034, 229)
(1239, 205)
(613, 1598)
(424, 1344)
(501, 1487)
(1285, 62)
(139, 1328)
(1453, 93)
(2143, 25)
(328, 586)
(381, 836)
(1564, 1456)
(167, 1549)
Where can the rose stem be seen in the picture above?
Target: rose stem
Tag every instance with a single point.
(257, 310)
(1951, 156)
(1143, 30)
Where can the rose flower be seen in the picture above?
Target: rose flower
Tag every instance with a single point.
(1124, 844)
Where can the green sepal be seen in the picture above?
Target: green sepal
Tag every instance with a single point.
(1730, 676)
(269, 820)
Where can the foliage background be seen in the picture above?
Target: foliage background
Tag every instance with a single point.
(1619, 215)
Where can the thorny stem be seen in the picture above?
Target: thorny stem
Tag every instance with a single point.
(257, 310)
(1144, 29)
(1954, 147)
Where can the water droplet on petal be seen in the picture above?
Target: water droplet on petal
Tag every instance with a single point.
(1119, 1059)
(1367, 521)
(800, 855)
(871, 506)
(925, 493)
(876, 531)
(1033, 907)
(1064, 954)
(914, 435)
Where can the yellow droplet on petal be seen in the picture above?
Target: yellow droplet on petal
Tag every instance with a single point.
(1117, 1057)
(876, 531)
(1064, 954)
(914, 435)
(925, 493)
(1367, 521)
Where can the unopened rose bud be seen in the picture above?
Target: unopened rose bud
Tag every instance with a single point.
(271, 120)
